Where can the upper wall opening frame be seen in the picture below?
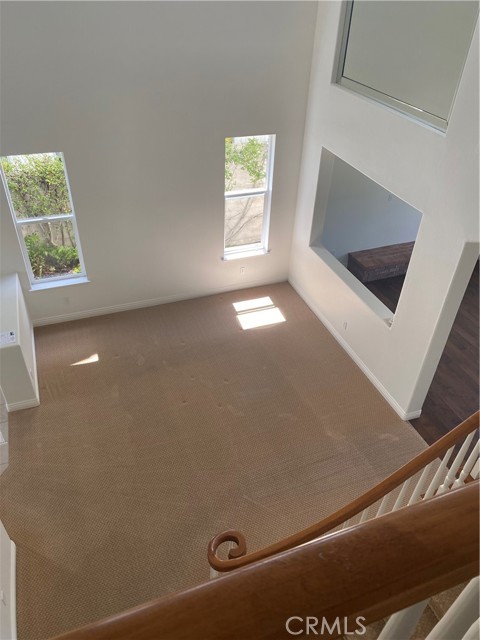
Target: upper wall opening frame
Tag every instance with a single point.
(421, 116)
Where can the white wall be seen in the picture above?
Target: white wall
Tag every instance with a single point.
(139, 97)
(433, 172)
(8, 616)
(18, 368)
(361, 214)
(3, 435)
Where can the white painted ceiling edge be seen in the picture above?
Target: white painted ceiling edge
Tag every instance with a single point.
(437, 174)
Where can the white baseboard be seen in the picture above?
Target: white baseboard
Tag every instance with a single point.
(411, 415)
(404, 415)
(23, 404)
(152, 302)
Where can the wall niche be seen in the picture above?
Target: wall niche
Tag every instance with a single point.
(369, 231)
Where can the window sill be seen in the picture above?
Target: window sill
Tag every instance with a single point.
(41, 286)
(235, 255)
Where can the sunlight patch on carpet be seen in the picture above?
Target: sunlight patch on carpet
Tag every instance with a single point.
(259, 312)
(93, 358)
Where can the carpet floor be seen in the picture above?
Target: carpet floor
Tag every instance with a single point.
(178, 425)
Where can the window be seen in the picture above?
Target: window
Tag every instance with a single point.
(407, 55)
(248, 191)
(41, 204)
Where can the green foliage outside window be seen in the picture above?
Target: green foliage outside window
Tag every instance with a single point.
(249, 156)
(37, 185)
(38, 189)
(51, 260)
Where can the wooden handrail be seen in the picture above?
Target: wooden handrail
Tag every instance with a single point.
(237, 556)
(370, 570)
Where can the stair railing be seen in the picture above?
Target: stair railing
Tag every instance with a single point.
(399, 489)
(462, 618)
(344, 580)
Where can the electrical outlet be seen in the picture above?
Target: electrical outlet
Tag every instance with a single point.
(242, 271)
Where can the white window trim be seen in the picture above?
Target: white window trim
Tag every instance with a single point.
(416, 114)
(41, 285)
(257, 248)
(51, 282)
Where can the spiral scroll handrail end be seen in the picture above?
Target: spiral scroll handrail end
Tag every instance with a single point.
(231, 535)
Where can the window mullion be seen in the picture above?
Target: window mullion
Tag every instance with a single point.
(41, 219)
(245, 194)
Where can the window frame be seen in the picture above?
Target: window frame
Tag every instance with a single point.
(60, 280)
(417, 114)
(261, 247)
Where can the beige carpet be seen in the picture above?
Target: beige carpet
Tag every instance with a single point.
(186, 425)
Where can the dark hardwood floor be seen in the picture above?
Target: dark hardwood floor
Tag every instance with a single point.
(454, 392)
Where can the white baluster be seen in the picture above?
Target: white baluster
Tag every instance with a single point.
(468, 466)
(401, 625)
(402, 494)
(420, 485)
(475, 472)
(451, 475)
(460, 616)
(364, 514)
(346, 524)
(383, 505)
(439, 476)
(474, 632)
(229, 544)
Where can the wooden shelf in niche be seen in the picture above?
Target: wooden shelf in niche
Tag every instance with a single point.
(381, 262)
